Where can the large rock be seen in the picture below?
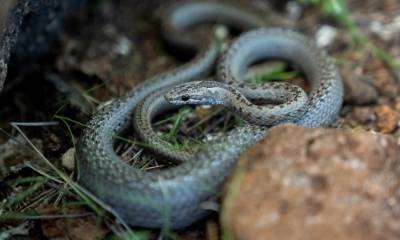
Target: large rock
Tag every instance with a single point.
(27, 28)
(317, 184)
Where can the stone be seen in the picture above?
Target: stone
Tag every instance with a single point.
(68, 159)
(28, 27)
(300, 183)
(357, 91)
(387, 117)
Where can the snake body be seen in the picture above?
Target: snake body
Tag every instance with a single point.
(292, 98)
(174, 197)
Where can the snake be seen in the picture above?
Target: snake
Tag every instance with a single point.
(286, 103)
(175, 197)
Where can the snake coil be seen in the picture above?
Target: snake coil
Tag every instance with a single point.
(174, 197)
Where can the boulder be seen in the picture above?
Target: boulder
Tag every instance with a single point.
(300, 183)
(27, 29)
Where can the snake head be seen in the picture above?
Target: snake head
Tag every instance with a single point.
(196, 93)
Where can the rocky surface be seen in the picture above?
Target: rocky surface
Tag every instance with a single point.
(317, 184)
(388, 118)
(359, 92)
(28, 28)
(4, 11)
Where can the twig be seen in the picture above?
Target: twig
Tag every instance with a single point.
(35, 124)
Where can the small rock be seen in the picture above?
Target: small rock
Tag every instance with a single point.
(386, 31)
(123, 46)
(311, 184)
(357, 91)
(364, 115)
(387, 118)
(326, 35)
(68, 159)
(383, 80)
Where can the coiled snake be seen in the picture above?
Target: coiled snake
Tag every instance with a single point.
(174, 196)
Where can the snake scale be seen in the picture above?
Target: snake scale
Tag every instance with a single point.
(174, 197)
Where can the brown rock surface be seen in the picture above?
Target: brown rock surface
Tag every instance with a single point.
(387, 118)
(303, 183)
(357, 91)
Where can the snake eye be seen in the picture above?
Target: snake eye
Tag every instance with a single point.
(185, 97)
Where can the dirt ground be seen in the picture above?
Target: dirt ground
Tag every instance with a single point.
(109, 47)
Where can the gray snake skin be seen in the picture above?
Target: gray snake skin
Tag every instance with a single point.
(174, 197)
